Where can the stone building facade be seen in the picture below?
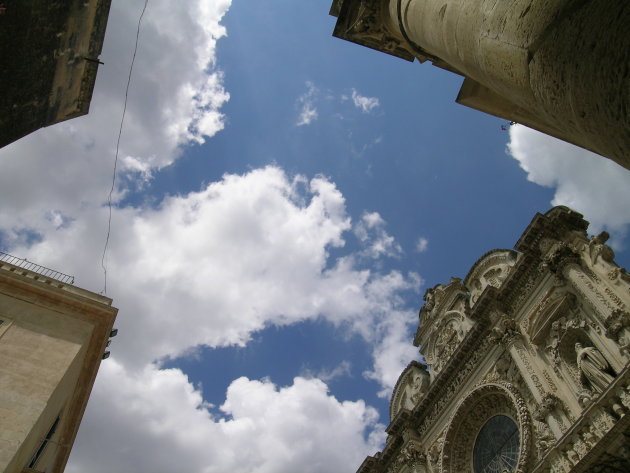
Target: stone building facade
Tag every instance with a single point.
(49, 53)
(559, 66)
(527, 363)
(53, 336)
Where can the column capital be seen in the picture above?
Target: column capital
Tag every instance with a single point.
(364, 22)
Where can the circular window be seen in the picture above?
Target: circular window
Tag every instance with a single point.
(497, 446)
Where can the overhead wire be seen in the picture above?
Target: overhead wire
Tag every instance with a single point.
(122, 120)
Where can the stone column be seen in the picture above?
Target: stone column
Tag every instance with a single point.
(563, 65)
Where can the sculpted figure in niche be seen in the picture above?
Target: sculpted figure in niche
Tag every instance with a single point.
(597, 248)
(594, 367)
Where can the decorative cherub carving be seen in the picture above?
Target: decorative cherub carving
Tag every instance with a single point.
(505, 330)
(594, 367)
(618, 329)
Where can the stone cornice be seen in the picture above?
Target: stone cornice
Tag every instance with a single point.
(555, 223)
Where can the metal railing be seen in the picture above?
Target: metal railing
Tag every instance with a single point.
(36, 268)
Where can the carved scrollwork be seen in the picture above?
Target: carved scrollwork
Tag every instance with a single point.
(444, 340)
(411, 456)
(506, 331)
(563, 256)
(411, 387)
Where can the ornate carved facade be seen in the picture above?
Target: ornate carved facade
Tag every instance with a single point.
(527, 363)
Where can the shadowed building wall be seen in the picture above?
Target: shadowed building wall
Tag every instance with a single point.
(49, 58)
(561, 66)
(53, 336)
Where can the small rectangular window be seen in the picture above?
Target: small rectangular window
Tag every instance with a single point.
(4, 324)
(42, 446)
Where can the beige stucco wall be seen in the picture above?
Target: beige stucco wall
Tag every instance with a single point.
(40, 359)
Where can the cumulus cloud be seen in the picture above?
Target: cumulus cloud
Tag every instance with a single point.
(365, 104)
(592, 185)
(260, 428)
(214, 266)
(211, 268)
(174, 100)
(207, 268)
(393, 352)
(306, 104)
(422, 245)
(370, 231)
(342, 369)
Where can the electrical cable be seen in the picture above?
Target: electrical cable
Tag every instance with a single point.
(122, 120)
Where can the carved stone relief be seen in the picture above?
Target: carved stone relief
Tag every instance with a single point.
(410, 389)
(410, 459)
(618, 329)
(444, 339)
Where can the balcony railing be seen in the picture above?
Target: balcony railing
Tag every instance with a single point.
(36, 268)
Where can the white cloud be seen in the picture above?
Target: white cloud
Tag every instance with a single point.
(342, 369)
(365, 104)
(211, 268)
(370, 231)
(207, 268)
(422, 245)
(157, 421)
(306, 102)
(394, 350)
(594, 186)
(175, 99)
(214, 266)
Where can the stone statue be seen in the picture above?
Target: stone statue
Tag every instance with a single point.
(594, 367)
(429, 300)
(597, 248)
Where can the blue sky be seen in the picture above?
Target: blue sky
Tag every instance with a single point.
(284, 199)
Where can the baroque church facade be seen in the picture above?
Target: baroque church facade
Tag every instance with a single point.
(527, 363)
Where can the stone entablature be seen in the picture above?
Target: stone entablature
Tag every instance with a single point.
(541, 354)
